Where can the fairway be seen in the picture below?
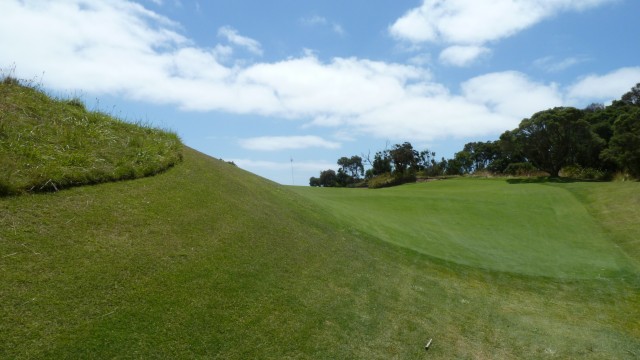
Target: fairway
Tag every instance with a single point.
(527, 228)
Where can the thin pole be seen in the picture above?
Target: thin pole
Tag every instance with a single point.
(292, 182)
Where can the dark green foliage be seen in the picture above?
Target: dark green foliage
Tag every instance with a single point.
(328, 178)
(391, 179)
(48, 144)
(314, 181)
(350, 172)
(582, 173)
(520, 169)
(593, 143)
(404, 158)
(381, 163)
(632, 97)
(557, 137)
(624, 147)
(479, 155)
(352, 166)
(586, 142)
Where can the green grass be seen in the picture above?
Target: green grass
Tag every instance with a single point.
(205, 260)
(531, 229)
(48, 144)
(208, 261)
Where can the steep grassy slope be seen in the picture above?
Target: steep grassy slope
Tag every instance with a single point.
(527, 228)
(48, 144)
(208, 261)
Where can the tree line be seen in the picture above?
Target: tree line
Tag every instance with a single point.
(592, 143)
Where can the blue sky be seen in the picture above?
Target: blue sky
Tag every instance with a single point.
(263, 82)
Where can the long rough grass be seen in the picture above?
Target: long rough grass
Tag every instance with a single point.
(48, 144)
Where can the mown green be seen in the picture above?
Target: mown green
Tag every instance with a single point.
(506, 225)
(48, 144)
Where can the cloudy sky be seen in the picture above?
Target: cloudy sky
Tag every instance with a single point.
(262, 83)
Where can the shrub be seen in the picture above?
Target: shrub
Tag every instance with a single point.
(582, 173)
(520, 169)
(388, 180)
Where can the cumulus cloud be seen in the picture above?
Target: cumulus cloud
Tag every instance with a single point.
(141, 55)
(604, 88)
(235, 38)
(512, 93)
(276, 143)
(462, 55)
(476, 22)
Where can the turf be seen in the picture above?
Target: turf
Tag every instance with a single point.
(526, 228)
(208, 261)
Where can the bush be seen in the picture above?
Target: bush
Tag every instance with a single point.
(582, 173)
(520, 169)
(388, 180)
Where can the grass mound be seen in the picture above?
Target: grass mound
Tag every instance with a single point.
(48, 144)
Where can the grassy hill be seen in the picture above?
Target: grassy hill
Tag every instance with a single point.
(206, 260)
(48, 144)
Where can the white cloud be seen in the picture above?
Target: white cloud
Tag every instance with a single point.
(512, 94)
(235, 38)
(314, 20)
(552, 64)
(338, 29)
(462, 55)
(140, 55)
(276, 143)
(307, 87)
(478, 21)
(317, 20)
(421, 60)
(604, 88)
(275, 165)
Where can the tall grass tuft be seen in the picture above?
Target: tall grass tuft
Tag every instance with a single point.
(48, 144)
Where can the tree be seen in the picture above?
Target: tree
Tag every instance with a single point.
(404, 157)
(328, 178)
(557, 137)
(479, 155)
(632, 97)
(352, 166)
(381, 163)
(507, 151)
(314, 181)
(462, 163)
(624, 147)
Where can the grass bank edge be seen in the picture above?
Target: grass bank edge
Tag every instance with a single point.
(48, 144)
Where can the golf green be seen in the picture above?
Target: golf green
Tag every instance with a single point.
(527, 228)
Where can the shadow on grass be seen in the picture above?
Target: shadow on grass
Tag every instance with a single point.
(548, 180)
